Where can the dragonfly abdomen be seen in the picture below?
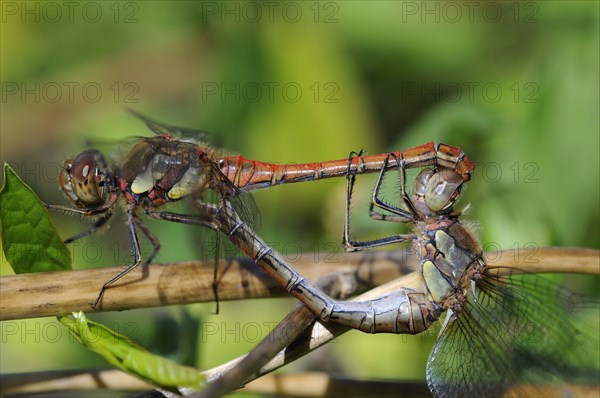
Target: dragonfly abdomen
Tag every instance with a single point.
(401, 312)
(250, 174)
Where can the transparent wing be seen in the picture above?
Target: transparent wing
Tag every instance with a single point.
(518, 331)
(181, 133)
(243, 202)
(245, 206)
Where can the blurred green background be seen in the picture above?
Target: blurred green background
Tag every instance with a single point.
(515, 84)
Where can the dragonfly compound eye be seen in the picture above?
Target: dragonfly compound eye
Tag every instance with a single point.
(65, 180)
(83, 179)
(442, 189)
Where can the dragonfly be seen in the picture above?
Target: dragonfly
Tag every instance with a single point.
(157, 170)
(178, 163)
(503, 331)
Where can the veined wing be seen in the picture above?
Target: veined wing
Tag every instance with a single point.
(518, 331)
(243, 202)
(177, 132)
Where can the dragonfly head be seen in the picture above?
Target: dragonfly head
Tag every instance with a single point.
(436, 190)
(84, 179)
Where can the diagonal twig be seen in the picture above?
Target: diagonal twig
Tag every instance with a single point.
(224, 380)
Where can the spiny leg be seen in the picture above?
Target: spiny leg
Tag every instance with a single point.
(136, 255)
(105, 210)
(224, 202)
(97, 225)
(398, 214)
(215, 282)
(403, 195)
(85, 212)
(194, 220)
(350, 180)
(347, 243)
(151, 237)
(180, 218)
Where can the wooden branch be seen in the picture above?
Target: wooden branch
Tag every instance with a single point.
(566, 260)
(55, 293)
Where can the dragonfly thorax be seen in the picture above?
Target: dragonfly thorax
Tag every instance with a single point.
(84, 179)
(158, 170)
(450, 255)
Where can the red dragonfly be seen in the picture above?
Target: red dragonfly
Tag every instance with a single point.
(177, 163)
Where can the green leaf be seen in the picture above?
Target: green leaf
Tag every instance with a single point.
(29, 239)
(129, 357)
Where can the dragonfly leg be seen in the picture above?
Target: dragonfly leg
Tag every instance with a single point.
(151, 237)
(347, 243)
(105, 211)
(97, 225)
(180, 218)
(415, 215)
(192, 220)
(398, 214)
(137, 257)
(85, 212)
(215, 282)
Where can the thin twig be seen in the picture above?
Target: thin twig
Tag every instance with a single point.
(319, 332)
(335, 285)
(310, 384)
(320, 385)
(70, 380)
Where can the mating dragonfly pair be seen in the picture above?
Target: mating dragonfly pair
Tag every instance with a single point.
(483, 347)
